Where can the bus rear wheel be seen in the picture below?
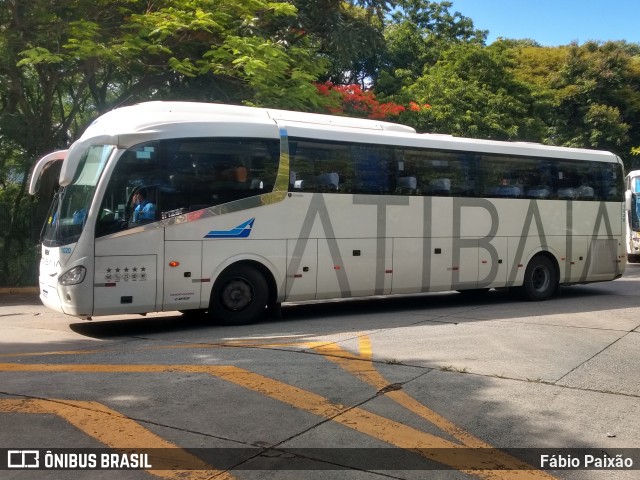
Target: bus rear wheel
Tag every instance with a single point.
(540, 279)
(239, 296)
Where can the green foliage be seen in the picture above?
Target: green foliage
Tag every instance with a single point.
(588, 97)
(418, 36)
(349, 38)
(18, 265)
(474, 93)
(579, 96)
(63, 63)
(591, 94)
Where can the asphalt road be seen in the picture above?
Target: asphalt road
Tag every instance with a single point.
(428, 386)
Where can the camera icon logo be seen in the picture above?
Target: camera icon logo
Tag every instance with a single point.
(23, 459)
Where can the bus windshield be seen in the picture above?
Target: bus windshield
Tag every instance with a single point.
(71, 205)
(162, 179)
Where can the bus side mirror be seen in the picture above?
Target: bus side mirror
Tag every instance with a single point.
(630, 203)
(628, 200)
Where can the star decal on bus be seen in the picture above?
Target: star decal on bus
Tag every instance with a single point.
(241, 231)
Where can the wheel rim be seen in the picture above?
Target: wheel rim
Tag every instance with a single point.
(540, 278)
(237, 294)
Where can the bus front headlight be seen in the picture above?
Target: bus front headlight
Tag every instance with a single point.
(73, 277)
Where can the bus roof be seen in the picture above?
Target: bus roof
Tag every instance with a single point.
(180, 117)
(131, 125)
(147, 115)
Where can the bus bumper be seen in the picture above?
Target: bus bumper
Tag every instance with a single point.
(51, 298)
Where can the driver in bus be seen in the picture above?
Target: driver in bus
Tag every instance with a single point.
(145, 211)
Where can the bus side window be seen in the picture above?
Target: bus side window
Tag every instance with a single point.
(407, 185)
(567, 181)
(371, 172)
(317, 166)
(612, 183)
(327, 181)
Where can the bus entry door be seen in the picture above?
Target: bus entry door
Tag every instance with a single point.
(182, 275)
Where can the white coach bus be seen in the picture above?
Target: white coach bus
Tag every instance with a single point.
(632, 185)
(246, 208)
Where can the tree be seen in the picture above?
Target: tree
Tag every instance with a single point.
(347, 34)
(354, 101)
(592, 90)
(473, 93)
(419, 34)
(590, 94)
(62, 63)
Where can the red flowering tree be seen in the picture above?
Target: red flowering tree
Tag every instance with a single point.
(353, 101)
(414, 107)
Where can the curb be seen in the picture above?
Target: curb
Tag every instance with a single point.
(18, 290)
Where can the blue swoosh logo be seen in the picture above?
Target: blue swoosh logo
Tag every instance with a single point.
(241, 231)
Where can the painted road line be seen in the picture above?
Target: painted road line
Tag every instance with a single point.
(366, 371)
(369, 374)
(235, 344)
(118, 432)
(482, 462)
(361, 365)
(479, 462)
(59, 352)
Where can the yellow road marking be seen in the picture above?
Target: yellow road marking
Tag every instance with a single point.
(40, 354)
(482, 462)
(366, 371)
(227, 344)
(365, 347)
(181, 346)
(235, 344)
(119, 432)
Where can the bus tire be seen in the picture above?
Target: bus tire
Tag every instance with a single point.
(239, 296)
(540, 279)
(632, 258)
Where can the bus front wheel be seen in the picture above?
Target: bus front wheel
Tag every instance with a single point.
(540, 279)
(239, 296)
